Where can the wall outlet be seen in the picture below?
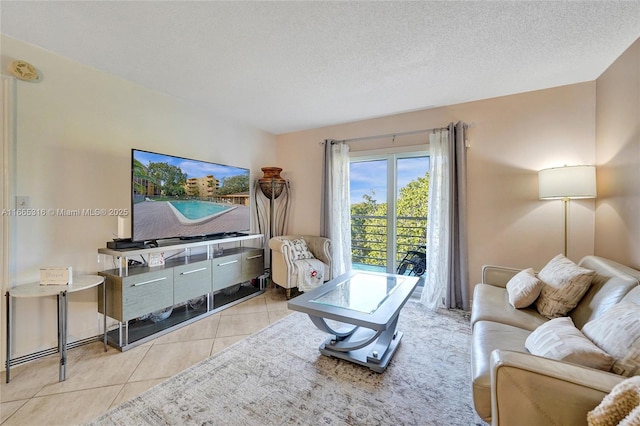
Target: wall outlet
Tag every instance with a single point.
(23, 202)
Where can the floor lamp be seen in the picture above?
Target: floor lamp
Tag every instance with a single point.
(567, 183)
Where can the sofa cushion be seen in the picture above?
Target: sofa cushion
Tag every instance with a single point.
(564, 285)
(633, 296)
(608, 287)
(487, 337)
(524, 288)
(491, 303)
(560, 339)
(617, 331)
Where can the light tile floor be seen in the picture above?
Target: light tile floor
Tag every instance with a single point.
(97, 380)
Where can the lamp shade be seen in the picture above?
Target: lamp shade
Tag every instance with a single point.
(567, 182)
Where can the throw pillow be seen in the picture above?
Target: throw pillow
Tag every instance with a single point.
(620, 407)
(617, 331)
(560, 339)
(524, 288)
(564, 285)
(299, 249)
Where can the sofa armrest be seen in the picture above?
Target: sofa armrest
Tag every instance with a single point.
(321, 249)
(276, 244)
(498, 276)
(531, 390)
(281, 262)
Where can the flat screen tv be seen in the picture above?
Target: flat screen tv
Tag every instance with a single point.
(176, 197)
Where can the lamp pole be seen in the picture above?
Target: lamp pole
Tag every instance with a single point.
(565, 183)
(565, 201)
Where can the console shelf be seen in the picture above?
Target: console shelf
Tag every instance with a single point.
(196, 279)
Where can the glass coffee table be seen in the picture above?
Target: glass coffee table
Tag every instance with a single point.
(367, 304)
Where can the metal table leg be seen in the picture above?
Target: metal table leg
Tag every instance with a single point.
(8, 367)
(66, 333)
(59, 306)
(62, 333)
(104, 312)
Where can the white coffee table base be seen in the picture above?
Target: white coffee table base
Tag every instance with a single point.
(370, 348)
(364, 356)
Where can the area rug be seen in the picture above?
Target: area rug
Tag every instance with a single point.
(278, 377)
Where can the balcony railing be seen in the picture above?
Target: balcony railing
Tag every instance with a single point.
(369, 238)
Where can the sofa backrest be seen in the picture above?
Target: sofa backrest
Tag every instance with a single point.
(633, 296)
(610, 285)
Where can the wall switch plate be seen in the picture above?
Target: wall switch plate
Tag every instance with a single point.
(23, 202)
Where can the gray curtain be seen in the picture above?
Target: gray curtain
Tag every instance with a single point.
(457, 288)
(325, 201)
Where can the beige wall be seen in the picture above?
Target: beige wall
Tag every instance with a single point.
(511, 139)
(618, 159)
(75, 130)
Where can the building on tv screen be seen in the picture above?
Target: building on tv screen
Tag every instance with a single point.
(180, 197)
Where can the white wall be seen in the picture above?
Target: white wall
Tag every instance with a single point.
(513, 137)
(618, 154)
(74, 132)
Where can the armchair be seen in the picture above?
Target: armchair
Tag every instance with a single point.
(285, 268)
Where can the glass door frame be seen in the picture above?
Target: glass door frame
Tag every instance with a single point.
(392, 156)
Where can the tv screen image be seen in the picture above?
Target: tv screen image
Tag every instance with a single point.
(180, 197)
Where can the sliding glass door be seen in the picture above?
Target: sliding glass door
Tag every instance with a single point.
(388, 210)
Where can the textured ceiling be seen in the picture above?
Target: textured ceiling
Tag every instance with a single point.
(285, 66)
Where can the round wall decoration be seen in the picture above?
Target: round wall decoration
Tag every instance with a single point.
(23, 71)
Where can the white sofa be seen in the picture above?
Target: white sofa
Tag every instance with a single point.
(512, 386)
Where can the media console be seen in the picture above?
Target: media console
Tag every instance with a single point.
(193, 279)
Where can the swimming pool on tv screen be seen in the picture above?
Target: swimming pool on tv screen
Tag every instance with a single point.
(195, 210)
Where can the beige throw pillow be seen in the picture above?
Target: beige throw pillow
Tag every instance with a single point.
(299, 249)
(560, 339)
(564, 285)
(523, 289)
(617, 331)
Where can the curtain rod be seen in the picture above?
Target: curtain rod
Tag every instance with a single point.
(393, 135)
